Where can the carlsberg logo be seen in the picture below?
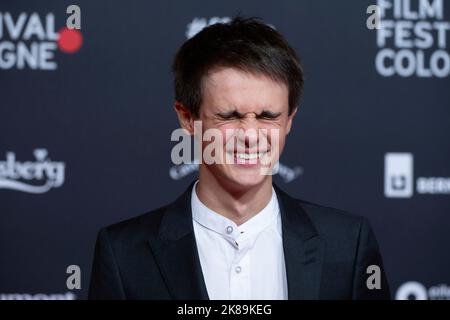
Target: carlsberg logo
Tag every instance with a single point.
(37, 176)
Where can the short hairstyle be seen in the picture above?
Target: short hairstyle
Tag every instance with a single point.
(245, 44)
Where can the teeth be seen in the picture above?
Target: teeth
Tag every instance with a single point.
(249, 156)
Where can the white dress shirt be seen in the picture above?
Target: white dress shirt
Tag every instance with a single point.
(240, 262)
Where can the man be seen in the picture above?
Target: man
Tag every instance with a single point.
(233, 234)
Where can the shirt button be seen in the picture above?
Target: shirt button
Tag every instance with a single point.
(229, 229)
(238, 269)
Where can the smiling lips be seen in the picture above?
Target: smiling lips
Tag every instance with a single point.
(247, 157)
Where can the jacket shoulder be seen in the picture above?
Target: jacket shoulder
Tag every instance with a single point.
(326, 212)
(136, 229)
(332, 222)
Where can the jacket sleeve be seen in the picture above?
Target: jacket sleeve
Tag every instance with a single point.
(368, 283)
(105, 282)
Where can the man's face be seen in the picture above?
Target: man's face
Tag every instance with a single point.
(236, 101)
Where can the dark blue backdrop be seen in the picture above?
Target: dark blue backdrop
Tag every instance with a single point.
(85, 136)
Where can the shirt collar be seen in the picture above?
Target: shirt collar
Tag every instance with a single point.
(226, 227)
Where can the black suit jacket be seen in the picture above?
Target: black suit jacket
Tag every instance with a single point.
(154, 256)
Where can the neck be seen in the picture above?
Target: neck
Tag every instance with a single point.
(236, 203)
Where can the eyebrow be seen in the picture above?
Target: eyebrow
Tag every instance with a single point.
(235, 114)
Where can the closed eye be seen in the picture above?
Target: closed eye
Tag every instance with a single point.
(268, 115)
(231, 115)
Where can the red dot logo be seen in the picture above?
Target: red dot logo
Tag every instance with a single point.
(70, 40)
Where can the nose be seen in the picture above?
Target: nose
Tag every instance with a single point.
(248, 131)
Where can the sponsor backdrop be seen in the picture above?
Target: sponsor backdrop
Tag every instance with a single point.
(86, 117)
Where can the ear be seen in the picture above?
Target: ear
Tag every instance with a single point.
(290, 118)
(185, 117)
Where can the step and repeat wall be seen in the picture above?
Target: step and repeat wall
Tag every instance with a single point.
(86, 116)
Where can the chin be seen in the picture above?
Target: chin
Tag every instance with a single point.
(245, 178)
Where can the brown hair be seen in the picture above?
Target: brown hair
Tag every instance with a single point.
(246, 44)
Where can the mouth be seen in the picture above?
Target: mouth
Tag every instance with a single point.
(247, 158)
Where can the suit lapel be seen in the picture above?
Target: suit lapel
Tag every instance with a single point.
(176, 253)
(303, 249)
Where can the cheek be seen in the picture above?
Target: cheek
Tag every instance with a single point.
(277, 139)
(227, 131)
(216, 131)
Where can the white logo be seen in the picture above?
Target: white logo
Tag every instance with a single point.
(412, 37)
(50, 174)
(411, 289)
(399, 181)
(38, 296)
(31, 41)
(288, 174)
(398, 175)
(198, 24)
(414, 290)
